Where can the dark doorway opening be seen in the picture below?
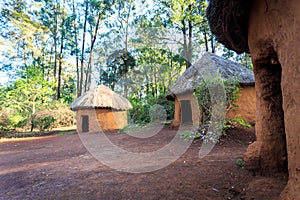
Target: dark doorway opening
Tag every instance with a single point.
(85, 123)
(186, 112)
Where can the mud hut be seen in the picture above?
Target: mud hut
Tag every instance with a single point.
(186, 108)
(100, 109)
(269, 30)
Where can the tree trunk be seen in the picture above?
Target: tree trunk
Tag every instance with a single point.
(190, 45)
(89, 70)
(61, 52)
(206, 41)
(82, 50)
(185, 44)
(60, 67)
(55, 40)
(76, 52)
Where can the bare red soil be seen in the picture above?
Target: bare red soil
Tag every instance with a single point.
(59, 167)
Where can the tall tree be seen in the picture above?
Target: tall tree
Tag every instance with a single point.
(22, 33)
(28, 93)
(75, 45)
(188, 16)
(86, 12)
(62, 38)
(98, 12)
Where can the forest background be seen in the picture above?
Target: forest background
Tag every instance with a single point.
(53, 51)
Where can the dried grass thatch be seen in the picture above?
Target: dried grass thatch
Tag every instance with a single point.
(228, 21)
(101, 97)
(210, 65)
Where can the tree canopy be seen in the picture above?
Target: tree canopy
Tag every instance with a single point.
(54, 51)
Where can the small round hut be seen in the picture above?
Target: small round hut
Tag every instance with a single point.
(100, 109)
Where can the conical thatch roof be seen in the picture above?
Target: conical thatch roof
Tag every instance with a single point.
(101, 97)
(228, 21)
(210, 65)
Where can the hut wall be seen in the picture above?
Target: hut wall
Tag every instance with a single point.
(274, 39)
(246, 105)
(194, 108)
(102, 119)
(177, 113)
(111, 120)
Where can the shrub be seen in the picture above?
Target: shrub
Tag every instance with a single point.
(5, 124)
(45, 123)
(237, 121)
(150, 108)
(206, 100)
(157, 113)
(61, 113)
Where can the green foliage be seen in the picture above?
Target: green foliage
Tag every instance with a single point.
(157, 113)
(26, 95)
(244, 58)
(17, 120)
(150, 109)
(4, 119)
(189, 135)
(205, 103)
(131, 128)
(139, 113)
(240, 162)
(238, 120)
(27, 103)
(60, 112)
(68, 90)
(44, 123)
(44, 41)
(66, 133)
(118, 64)
(202, 92)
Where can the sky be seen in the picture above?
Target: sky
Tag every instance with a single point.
(3, 78)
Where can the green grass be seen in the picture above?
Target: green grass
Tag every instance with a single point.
(65, 133)
(36, 134)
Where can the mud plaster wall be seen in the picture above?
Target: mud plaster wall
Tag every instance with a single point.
(194, 107)
(102, 119)
(246, 105)
(276, 23)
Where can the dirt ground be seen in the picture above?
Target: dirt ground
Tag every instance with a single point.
(60, 167)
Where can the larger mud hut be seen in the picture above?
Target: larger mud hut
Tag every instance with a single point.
(100, 109)
(269, 30)
(182, 92)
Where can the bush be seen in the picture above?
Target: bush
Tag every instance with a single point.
(61, 113)
(203, 95)
(140, 112)
(4, 119)
(9, 120)
(150, 109)
(205, 98)
(45, 123)
(157, 113)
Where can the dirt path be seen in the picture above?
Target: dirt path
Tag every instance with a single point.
(59, 167)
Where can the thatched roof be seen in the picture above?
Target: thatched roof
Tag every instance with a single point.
(228, 21)
(101, 97)
(210, 65)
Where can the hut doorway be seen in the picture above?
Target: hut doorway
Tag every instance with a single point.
(85, 123)
(186, 112)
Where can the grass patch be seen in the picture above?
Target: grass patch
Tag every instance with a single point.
(36, 134)
(131, 128)
(65, 133)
